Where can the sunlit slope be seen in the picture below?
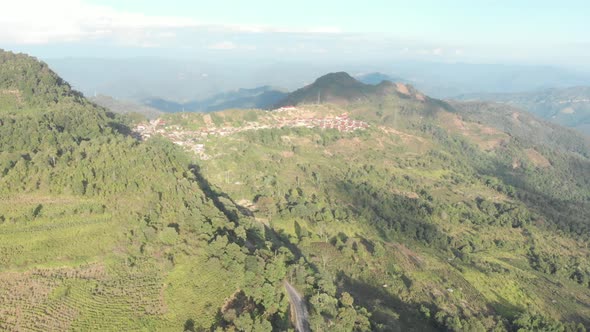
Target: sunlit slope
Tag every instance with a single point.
(436, 216)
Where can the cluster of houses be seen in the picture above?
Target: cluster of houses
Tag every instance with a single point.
(341, 123)
(193, 139)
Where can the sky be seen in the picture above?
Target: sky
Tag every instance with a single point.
(472, 31)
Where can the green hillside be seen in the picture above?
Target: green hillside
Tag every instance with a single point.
(99, 231)
(410, 214)
(436, 217)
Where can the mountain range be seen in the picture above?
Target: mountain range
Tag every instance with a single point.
(358, 207)
(181, 80)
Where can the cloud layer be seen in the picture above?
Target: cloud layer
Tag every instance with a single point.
(57, 21)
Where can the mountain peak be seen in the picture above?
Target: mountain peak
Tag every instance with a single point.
(336, 78)
(341, 88)
(336, 88)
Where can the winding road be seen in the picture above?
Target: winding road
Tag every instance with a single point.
(298, 308)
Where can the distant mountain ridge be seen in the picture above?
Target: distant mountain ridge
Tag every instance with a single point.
(124, 106)
(568, 106)
(376, 78)
(182, 80)
(256, 98)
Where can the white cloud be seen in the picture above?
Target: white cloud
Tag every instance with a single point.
(51, 21)
(41, 22)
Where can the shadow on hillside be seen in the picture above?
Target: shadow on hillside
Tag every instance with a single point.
(285, 241)
(578, 319)
(217, 197)
(117, 126)
(121, 129)
(234, 211)
(567, 215)
(392, 214)
(389, 311)
(504, 307)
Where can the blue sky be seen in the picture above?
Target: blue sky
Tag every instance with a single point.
(490, 31)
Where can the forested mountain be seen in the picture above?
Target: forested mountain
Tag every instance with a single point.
(568, 106)
(386, 209)
(341, 88)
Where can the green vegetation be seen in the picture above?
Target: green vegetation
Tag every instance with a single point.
(101, 232)
(428, 223)
(425, 221)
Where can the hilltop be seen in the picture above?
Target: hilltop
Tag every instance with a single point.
(341, 88)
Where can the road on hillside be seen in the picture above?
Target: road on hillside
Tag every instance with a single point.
(300, 310)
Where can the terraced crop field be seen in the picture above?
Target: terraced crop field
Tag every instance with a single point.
(59, 269)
